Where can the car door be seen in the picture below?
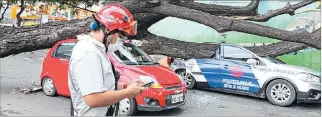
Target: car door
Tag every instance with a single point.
(210, 70)
(60, 61)
(236, 74)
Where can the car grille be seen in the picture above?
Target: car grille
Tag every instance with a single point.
(169, 103)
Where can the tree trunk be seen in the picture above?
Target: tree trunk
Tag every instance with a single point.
(1, 6)
(4, 11)
(222, 24)
(153, 44)
(15, 40)
(22, 8)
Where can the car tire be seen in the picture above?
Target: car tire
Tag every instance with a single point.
(48, 87)
(281, 93)
(188, 78)
(130, 109)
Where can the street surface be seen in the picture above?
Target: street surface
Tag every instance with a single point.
(23, 70)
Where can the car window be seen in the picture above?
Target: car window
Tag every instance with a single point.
(64, 50)
(216, 54)
(236, 53)
(132, 55)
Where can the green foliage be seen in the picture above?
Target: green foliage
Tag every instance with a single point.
(64, 3)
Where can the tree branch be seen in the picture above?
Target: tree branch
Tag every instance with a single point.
(22, 8)
(145, 20)
(153, 44)
(277, 49)
(222, 10)
(1, 6)
(292, 36)
(288, 9)
(161, 45)
(221, 24)
(14, 40)
(75, 6)
(4, 11)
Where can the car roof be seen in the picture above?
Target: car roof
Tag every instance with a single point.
(234, 45)
(68, 40)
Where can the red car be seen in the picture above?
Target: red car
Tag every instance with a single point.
(168, 92)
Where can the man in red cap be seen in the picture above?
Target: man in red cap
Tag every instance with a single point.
(91, 76)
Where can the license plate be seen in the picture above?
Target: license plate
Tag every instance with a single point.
(177, 98)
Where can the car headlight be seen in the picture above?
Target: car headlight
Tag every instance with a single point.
(147, 79)
(190, 65)
(309, 78)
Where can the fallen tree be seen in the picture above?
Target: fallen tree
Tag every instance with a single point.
(14, 40)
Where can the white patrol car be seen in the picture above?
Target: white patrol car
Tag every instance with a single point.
(236, 70)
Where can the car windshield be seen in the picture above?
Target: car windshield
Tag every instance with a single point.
(275, 60)
(131, 55)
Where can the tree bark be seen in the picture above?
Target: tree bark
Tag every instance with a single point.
(22, 8)
(15, 40)
(277, 49)
(288, 9)
(222, 24)
(222, 10)
(1, 6)
(161, 45)
(153, 44)
(145, 20)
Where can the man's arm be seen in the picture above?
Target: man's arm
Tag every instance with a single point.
(106, 98)
(89, 76)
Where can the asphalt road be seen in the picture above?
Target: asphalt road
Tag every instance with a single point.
(23, 70)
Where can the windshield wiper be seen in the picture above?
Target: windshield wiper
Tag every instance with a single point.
(130, 63)
(147, 62)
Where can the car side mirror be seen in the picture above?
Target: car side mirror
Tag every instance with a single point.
(252, 62)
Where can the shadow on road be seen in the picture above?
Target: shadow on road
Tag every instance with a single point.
(172, 112)
(305, 105)
(308, 105)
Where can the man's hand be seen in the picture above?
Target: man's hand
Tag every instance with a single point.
(135, 81)
(135, 89)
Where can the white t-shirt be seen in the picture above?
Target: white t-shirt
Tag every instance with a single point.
(89, 72)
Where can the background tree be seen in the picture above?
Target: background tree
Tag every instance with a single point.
(3, 8)
(219, 17)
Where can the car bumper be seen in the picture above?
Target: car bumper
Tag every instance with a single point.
(312, 96)
(161, 97)
(159, 108)
(309, 92)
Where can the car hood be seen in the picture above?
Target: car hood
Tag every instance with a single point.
(299, 69)
(162, 74)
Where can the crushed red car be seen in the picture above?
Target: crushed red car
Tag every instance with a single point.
(168, 92)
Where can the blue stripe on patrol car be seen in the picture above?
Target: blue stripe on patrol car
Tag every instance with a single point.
(229, 75)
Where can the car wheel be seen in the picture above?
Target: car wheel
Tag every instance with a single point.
(48, 86)
(280, 92)
(127, 107)
(188, 78)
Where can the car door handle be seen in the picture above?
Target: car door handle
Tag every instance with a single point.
(225, 66)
